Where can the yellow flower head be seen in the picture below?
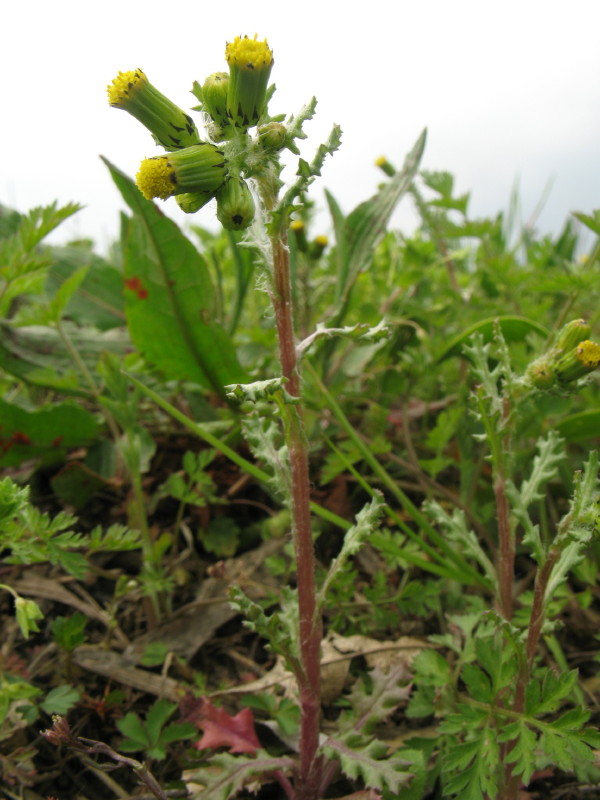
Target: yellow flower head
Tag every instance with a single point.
(124, 86)
(578, 362)
(156, 178)
(588, 354)
(199, 168)
(249, 54)
(171, 127)
(250, 63)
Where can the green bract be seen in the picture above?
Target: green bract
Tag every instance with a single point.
(250, 63)
(200, 168)
(171, 127)
(235, 205)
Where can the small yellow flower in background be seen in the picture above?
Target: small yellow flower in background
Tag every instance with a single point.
(200, 168)
(318, 245)
(250, 63)
(385, 166)
(171, 127)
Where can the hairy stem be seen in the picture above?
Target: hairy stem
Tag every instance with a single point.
(309, 676)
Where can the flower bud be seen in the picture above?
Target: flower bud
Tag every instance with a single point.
(250, 63)
(385, 166)
(578, 362)
(541, 373)
(317, 246)
(214, 97)
(190, 202)
(272, 136)
(298, 228)
(171, 127)
(571, 334)
(200, 168)
(235, 205)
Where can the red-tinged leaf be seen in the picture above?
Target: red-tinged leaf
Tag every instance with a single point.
(219, 728)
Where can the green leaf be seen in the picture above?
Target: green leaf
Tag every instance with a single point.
(131, 726)
(68, 632)
(365, 226)
(477, 683)
(583, 425)
(226, 775)
(60, 700)
(27, 613)
(99, 299)
(369, 761)
(36, 354)
(593, 222)
(514, 329)
(170, 300)
(367, 521)
(49, 431)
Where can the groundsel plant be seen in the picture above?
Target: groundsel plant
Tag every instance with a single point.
(237, 164)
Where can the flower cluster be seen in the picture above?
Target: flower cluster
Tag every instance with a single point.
(573, 356)
(195, 171)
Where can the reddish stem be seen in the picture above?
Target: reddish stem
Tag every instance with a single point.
(309, 676)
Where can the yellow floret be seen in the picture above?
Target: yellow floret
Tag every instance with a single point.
(321, 240)
(588, 354)
(248, 53)
(156, 178)
(119, 91)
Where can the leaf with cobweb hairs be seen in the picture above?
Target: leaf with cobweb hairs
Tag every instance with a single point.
(279, 628)
(374, 702)
(370, 760)
(265, 438)
(366, 522)
(362, 332)
(227, 775)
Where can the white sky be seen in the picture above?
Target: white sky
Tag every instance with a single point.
(509, 91)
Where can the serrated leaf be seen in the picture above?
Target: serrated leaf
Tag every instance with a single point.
(522, 751)
(360, 332)
(374, 704)
(158, 716)
(60, 700)
(369, 761)
(366, 522)
(477, 682)
(221, 729)
(167, 284)
(227, 775)
(131, 726)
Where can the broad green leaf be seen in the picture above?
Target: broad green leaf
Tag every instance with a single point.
(37, 355)
(513, 329)
(51, 430)
(169, 299)
(580, 426)
(99, 300)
